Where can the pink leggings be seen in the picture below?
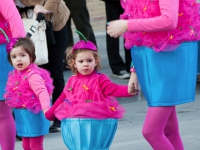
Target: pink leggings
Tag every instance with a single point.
(7, 128)
(33, 143)
(161, 129)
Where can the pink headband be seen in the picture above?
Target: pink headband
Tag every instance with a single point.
(84, 45)
(11, 44)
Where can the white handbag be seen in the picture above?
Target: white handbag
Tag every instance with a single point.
(36, 31)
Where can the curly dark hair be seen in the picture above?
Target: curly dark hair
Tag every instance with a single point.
(71, 56)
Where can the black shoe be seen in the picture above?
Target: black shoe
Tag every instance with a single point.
(19, 138)
(54, 129)
(122, 74)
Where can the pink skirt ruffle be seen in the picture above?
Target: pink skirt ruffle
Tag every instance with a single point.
(95, 109)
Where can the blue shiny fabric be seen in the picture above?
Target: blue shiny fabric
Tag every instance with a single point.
(29, 124)
(88, 134)
(167, 78)
(5, 68)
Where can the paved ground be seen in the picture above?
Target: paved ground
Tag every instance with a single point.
(128, 135)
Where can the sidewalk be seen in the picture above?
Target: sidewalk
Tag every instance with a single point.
(128, 135)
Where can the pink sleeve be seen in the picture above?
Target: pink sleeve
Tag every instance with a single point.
(166, 21)
(37, 85)
(50, 113)
(112, 89)
(10, 13)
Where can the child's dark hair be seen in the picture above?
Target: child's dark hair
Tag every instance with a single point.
(27, 44)
(71, 56)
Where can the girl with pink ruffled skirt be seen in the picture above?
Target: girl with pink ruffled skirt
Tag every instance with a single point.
(87, 108)
(28, 92)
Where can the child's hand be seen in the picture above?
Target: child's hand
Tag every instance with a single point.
(132, 90)
(133, 84)
(116, 28)
(49, 114)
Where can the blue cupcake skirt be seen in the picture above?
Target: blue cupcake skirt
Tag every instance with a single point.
(5, 68)
(198, 65)
(167, 78)
(29, 124)
(88, 134)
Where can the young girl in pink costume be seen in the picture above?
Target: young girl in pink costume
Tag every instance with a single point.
(86, 109)
(11, 26)
(162, 35)
(28, 91)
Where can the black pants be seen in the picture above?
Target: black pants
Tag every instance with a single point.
(55, 65)
(80, 15)
(113, 11)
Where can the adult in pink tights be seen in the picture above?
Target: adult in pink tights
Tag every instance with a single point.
(11, 26)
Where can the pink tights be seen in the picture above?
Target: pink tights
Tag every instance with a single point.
(161, 129)
(7, 128)
(33, 143)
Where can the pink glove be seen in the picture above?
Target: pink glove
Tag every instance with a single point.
(49, 114)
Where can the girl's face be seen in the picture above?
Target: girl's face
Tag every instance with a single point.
(20, 58)
(85, 63)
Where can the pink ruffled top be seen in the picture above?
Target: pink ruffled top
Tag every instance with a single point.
(19, 94)
(145, 15)
(91, 97)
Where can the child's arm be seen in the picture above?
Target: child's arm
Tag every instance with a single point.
(36, 83)
(10, 13)
(49, 114)
(112, 89)
(166, 21)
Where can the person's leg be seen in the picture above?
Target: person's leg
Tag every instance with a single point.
(55, 65)
(36, 143)
(172, 131)
(70, 34)
(26, 143)
(153, 129)
(113, 10)
(7, 127)
(81, 18)
(128, 59)
(70, 43)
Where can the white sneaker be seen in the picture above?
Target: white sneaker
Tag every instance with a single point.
(122, 75)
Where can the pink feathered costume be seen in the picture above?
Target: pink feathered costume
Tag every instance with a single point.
(29, 89)
(90, 97)
(147, 17)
